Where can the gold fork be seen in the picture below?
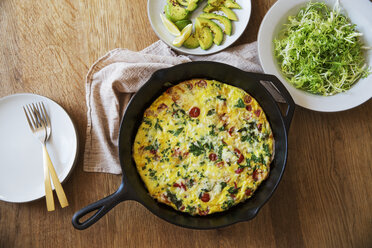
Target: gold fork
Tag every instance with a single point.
(34, 121)
(41, 115)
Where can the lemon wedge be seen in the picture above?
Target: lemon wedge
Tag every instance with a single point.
(170, 26)
(185, 33)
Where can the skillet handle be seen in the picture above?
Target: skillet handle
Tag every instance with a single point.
(287, 97)
(102, 206)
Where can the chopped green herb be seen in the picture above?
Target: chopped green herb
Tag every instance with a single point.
(220, 149)
(190, 209)
(227, 204)
(154, 146)
(233, 190)
(157, 125)
(222, 128)
(190, 183)
(196, 148)
(219, 97)
(211, 112)
(209, 146)
(223, 185)
(173, 198)
(152, 174)
(240, 104)
(242, 129)
(266, 149)
(212, 132)
(147, 121)
(177, 132)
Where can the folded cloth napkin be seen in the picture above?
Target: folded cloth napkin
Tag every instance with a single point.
(116, 76)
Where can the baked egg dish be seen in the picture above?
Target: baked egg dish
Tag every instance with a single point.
(203, 146)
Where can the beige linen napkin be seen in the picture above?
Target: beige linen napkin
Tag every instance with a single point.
(115, 77)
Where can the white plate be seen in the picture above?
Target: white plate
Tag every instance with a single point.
(155, 7)
(21, 161)
(359, 13)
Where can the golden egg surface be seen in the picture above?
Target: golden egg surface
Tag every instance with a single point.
(203, 147)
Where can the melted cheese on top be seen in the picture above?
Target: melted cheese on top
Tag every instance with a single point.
(203, 147)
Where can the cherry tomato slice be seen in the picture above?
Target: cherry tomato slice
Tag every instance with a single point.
(205, 197)
(194, 112)
(247, 99)
(213, 157)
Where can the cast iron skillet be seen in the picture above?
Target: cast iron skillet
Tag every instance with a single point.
(132, 187)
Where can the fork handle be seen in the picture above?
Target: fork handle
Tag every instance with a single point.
(48, 187)
(57, 184)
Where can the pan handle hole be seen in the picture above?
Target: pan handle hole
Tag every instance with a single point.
(88, 215)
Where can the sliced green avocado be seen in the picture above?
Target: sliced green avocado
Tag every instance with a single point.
(209, 8)
(227, 3)
(231, 4)
(182, 24)
(224, 20)
(228, 12)
(190, 5)
(192, 42)
(193, 4)
(216, 30)
(183, 2)
(175, 12)
(205, 37)
(215, 3)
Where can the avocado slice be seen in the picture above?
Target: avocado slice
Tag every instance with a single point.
(182, 24)
(222, 19)
(228, 12)
(190, 5)
(205, 37)
(183, 2)
(209, 8)
(192, 42)
(193, 4)
(227, 3)
(175, 12)
(231, 4)
(215, 29)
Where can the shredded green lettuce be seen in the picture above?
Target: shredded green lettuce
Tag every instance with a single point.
(319, 50)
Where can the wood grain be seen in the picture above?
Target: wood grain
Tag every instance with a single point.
(323, 200)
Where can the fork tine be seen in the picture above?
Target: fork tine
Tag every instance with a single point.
(45, 114)
(38, 108)
(28, 120)
(38, 118)
(31, 115)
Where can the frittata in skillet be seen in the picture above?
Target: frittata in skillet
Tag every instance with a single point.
(203, 147)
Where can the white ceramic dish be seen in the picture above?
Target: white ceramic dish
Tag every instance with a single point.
(155, 7)
(359, 12)
(21, 161)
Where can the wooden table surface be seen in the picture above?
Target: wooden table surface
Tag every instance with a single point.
(323, 200)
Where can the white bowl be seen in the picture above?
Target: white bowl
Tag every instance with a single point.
(155, 7)
(359, 12)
